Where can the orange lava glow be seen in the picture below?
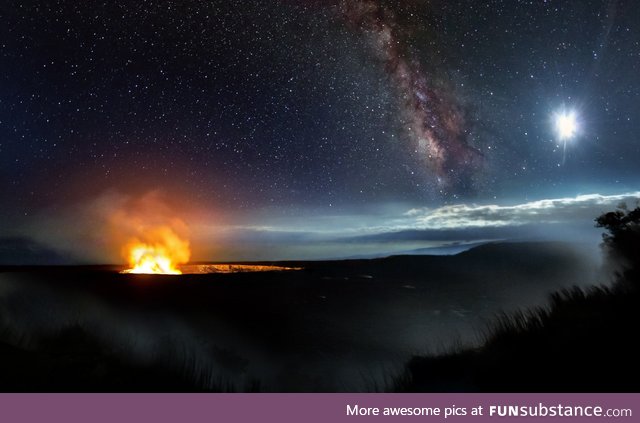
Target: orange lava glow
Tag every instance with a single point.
(161, 251)
(234, 268)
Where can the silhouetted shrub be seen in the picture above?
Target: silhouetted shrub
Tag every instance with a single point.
(622, 242)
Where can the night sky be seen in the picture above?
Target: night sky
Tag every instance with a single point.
(283, 129)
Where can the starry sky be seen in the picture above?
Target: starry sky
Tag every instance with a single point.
(283, 129)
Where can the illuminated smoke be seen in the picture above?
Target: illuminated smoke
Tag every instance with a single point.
(150, 236)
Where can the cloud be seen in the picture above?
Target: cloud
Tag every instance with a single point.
(453, 222)
(87, 232)
(548, 211)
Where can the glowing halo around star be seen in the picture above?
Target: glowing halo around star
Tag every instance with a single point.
(566, 124)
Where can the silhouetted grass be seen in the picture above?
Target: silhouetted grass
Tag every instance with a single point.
(583, 341)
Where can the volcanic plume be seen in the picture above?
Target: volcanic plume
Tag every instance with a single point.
(151, 237)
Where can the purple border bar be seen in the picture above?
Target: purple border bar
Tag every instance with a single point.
(284, 408)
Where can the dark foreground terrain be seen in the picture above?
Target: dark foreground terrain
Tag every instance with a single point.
(585, 342)
(334, 326)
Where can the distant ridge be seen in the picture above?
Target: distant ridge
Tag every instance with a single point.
(444, 250)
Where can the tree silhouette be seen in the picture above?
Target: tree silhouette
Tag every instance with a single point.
(622, 242)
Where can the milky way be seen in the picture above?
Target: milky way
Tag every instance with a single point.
(434, 121)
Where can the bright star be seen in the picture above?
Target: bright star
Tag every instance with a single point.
(566, 125)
